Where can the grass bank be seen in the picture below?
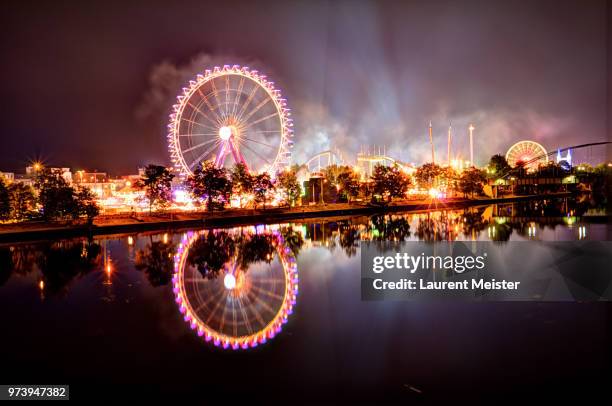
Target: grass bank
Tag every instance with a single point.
(38, 230)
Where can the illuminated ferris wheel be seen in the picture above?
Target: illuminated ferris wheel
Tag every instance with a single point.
(529, 152)
(230, 115)
(237, 307)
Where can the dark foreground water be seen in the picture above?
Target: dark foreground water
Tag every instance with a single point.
(149, 315)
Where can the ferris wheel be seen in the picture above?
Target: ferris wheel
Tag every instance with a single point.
(230, 115)
(529, 152)
(237, 308)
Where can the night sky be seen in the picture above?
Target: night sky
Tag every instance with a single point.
(88, 84)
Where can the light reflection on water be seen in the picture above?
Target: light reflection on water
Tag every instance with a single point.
(236, 287)
(55, 264)
(105, 310)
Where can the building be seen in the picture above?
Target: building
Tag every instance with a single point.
(32, 170)
(97, 182)
(8, 177)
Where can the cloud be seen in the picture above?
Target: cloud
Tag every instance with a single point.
(361, 111)
(168, 78)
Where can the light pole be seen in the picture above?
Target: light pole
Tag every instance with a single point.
(471, 128)
(449, 146)
(433, 158)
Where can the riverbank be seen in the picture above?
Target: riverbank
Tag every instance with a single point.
(232, 217)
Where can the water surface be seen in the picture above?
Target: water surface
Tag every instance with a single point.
(274, 312)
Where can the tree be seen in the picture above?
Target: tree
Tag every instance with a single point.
(498, 165)
(58, 199)
(349, 239)
(56, 196)
(157, 262)
(449, 177)
(6, 264)
(390, 180)
(293, 239)
(86, 204)
(332, 175)
(473, 222)
(262, 186)
(390, 228)
(60, 262)
(349, 184)
(380, 179)
(427, 174)
(332, 172)
(5, 201)
(254, 248)
(242, 181)
(288, 183)
(471, 181)
(399, 182)
(157, 181)
(210, 252)
(211, 184)
(22, 200)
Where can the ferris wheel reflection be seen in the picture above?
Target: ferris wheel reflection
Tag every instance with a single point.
(235, 288)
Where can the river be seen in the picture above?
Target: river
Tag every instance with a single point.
(274, 312)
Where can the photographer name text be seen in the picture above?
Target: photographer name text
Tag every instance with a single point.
(411, 264)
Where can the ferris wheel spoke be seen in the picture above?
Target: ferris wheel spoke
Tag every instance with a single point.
(234, 319)
(213, 298)
(216, 94)
(260, 105)
(259, 120)
(248, 101)
(227, 95)
(222, 324)
(199, 159)
(217, 306)
(198, 145)
(238, 94)
(197, 123)
(258, 142)
(210, 107)
(256, 312)
(266, 293)
(199, 135)
(257, 298)
(245, 317)
(266, 131)
(256, 153)
(197, 109)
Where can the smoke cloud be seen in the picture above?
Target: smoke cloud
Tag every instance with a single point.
(372, 120)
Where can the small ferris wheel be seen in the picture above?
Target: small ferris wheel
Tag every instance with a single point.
(531, 153)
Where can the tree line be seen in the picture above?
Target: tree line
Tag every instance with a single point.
(51, 198)
(212, 186)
